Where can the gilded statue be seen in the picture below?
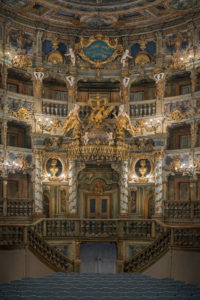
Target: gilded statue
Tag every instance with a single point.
(53, 167)
(99, 110)
(38, 86)
(160, 85)
(123, 123)
(73, 122)
(143, 167)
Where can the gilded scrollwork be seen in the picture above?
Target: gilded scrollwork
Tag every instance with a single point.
(55, 57)
(148, 126)
(178, 115)
(142, 59)
(21, 61)
(100, 111)
(179, 164)
(22, 114)
(96, 42)
(17, 162)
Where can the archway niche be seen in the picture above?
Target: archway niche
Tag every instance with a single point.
(178, 84)
(143, 89)
(18, 134)
(106, 89)
(98, 192)
(19, 82)
(55, 89)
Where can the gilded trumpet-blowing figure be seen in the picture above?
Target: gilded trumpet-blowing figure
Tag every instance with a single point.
(73, 122)
(123, 123)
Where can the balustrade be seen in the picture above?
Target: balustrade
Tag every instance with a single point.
(98, 228)
(59, 228)
(137, 229)
(181, 209)
(169, 236)
(186, 237)
(50, 255)
(196, 209)
(143, 109)
(39, 227)
(19, 208)
(11, 236)
(1, 208)
(54, 109)
(147, 256)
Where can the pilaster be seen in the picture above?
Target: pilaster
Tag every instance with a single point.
(38, 191)
(124, 189)
(72, 189)
(158, 187)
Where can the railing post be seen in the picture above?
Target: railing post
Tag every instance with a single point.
(120, 261)
(4, 207)
(77, 226)
(25, 236)
(77, 261)
(5, 200)
(172, 237)
(120, 228)
(191, 210)
(153, 229)
(44, 231)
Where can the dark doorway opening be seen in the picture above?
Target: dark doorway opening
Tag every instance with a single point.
(98, 257)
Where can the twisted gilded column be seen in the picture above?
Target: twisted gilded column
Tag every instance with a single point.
(72, 188)
(124, 188)
(38, 191)
(158, 186)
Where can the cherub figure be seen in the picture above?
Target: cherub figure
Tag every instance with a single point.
(72, 56)
(124, 57)
(85, 138)
(110, 138)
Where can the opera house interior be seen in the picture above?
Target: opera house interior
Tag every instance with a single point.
(100, 138)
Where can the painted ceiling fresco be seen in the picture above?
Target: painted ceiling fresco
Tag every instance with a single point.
(99, 14)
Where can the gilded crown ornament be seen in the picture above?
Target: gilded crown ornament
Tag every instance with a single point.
(99, 110)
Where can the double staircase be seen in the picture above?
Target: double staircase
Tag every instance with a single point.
(37, 237)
